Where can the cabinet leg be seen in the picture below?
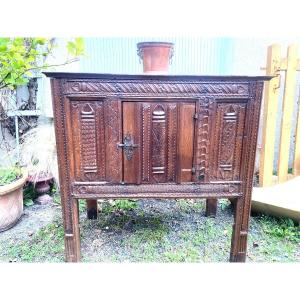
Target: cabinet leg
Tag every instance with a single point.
(211, 207)
(72, 232)
(239, 236)
(92, 209)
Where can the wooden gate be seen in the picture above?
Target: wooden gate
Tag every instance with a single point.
(290, 65)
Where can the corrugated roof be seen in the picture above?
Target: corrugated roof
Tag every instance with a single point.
(203, 56)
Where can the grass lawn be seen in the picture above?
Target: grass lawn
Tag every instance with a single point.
(156, 231)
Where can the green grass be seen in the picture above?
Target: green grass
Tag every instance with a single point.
(45, 245)
(276, 239)
(281, 228)
(180, 234)
(190, 206)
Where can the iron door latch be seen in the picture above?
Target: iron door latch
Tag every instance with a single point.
(128, 146)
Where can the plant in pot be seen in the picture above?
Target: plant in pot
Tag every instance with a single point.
(38, 154)
(20, 60)
(12, 180)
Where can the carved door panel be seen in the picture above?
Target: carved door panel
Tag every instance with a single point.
(85, 123)
(227, 137)
(157, 142)
(94, 128)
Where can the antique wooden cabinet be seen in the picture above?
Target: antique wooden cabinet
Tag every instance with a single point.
(141, 136)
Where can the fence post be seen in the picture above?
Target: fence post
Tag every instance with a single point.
(269, 116)
(296, 166)
(287, 112)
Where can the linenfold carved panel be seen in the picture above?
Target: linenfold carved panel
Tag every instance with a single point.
(152, 87)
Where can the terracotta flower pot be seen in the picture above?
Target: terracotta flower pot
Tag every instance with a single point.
(41, 183)
(11, 202)
(156, 56)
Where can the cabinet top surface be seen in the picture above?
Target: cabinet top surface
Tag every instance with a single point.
(69, 75)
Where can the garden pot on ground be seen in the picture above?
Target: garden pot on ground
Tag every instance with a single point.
(42, 185)
(11, 202)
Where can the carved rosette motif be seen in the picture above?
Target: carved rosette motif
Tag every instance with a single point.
(154, 87)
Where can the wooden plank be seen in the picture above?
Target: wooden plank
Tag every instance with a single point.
(287, 111)
(296, 165)
(186, 141)
(131, 156)
(113, 131)
(269, 116)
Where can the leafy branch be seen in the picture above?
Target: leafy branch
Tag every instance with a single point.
(19, 57)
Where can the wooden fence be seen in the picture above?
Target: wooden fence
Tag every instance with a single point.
(290, 65)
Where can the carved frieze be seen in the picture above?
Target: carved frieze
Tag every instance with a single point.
(154, 87)
(220, 189)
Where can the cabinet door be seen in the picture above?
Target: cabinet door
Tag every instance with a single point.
(94, 127)
(227, 140)
(158, 142)
(85, 127)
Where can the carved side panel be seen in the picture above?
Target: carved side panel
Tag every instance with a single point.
(89, 153)
(227, 141)
(113, 136)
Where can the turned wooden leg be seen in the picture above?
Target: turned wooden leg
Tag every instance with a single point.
(239, 236)
(92, 209)
(211, 207)
(72, 232)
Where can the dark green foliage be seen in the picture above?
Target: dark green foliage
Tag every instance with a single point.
(29, 194)
(8, 175)
(282, 228)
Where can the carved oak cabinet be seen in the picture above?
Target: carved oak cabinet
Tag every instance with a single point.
(156, 136)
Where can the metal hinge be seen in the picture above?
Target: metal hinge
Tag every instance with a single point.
(196, 116)
(194, 170)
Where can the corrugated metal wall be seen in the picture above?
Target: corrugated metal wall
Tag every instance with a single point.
(201, 56)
